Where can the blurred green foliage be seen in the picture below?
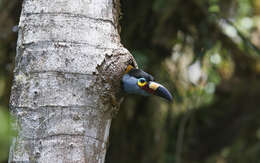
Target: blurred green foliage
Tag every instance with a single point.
(206, 52)
(9, 16)
(5, 133)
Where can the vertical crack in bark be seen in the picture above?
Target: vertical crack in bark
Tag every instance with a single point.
(117, 14)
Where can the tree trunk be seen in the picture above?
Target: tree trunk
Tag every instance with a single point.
(68, 69)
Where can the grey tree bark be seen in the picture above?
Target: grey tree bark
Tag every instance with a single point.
(68, 69)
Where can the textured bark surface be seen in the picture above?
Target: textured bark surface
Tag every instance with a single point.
(68, 69)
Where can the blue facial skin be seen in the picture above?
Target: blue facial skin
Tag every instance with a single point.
(130, 86)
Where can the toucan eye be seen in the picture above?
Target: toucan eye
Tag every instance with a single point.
(141, 82)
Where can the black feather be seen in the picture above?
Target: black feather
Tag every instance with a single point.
(140, 74)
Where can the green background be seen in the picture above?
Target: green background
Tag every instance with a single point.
(206, 52)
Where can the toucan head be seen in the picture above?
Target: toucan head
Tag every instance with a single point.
(136, 81)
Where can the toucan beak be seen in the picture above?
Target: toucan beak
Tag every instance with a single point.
(159, 90)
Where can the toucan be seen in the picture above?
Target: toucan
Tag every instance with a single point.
(136, 81)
